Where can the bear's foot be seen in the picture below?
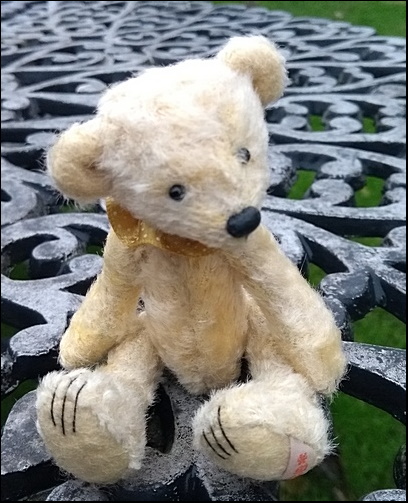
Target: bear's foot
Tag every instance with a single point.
(253, 431)
(79, 417)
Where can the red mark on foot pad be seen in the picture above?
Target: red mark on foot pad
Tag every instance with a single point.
(301, 459)
(302, 464)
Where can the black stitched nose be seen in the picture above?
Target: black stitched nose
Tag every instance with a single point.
(244, 223)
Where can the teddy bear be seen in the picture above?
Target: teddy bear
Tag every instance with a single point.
(179, 153)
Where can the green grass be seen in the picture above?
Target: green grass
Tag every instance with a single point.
(382, 328)
(316, 123)
(8, 330)
(387, 17)
(304, 180)
(366, 241)
(316, 274)
(20, 271)
(369, 125)
(8, 402)
(371, 194)
(94, 249)
(368, 438)
(364, 461)
(73, 207)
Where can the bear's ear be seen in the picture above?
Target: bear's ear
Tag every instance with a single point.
(257, 57)
(73, 163)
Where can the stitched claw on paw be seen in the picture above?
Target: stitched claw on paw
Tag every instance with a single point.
(73, 432)
(244, 431)
(71, 424)
(246, 448)
(221, 445)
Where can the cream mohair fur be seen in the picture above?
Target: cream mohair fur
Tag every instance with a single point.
(187, 125)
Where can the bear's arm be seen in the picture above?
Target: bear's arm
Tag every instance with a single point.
(108, 313)
(303, 327)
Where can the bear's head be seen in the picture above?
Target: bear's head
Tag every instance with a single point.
(182, 147)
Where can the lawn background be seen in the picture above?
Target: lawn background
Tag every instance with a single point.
(387, 17)
(368, 438)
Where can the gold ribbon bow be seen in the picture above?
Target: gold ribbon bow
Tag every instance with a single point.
(133, 232)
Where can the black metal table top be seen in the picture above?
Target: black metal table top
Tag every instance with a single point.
(57, 57)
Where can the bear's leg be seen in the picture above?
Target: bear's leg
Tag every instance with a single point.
(108, 314)
(93, 421)
(270, 428)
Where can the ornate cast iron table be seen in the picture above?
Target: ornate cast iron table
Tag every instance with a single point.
(57, 57)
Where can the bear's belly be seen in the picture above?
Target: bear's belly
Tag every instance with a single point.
(196, 315)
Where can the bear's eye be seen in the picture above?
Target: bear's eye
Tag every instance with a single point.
(244, 155)
(177, 192)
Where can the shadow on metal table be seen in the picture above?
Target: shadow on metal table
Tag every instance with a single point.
(57, 57)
